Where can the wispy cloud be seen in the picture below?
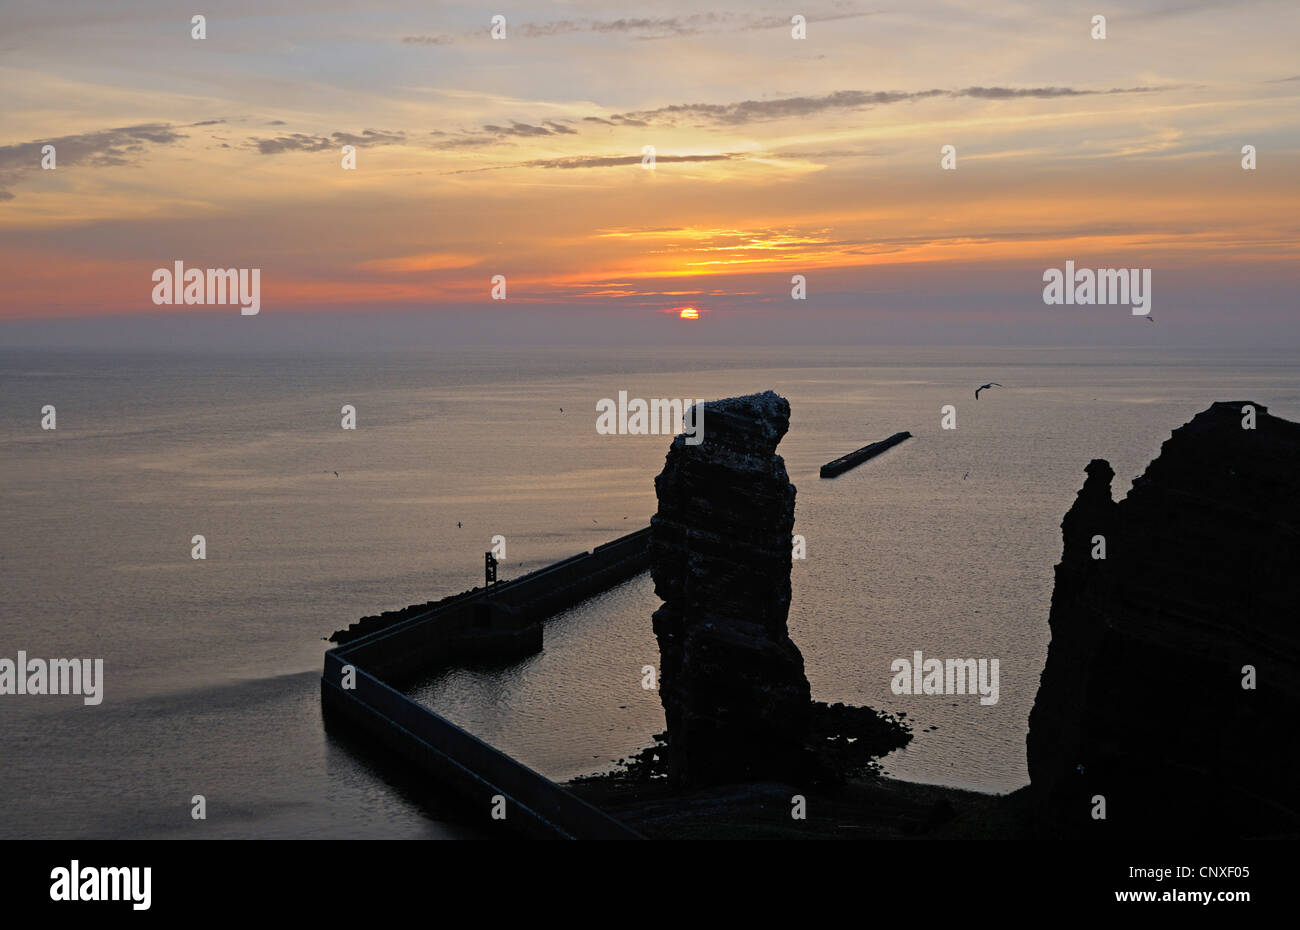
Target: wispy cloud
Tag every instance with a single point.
(518, 129)
(646, 27)
(715, 114)
(428, 40)
(492, 134)
(663, 27)
(749, 111)
(104, 148)
(604, 161)
(303, 142)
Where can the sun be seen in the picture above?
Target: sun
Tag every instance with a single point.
(690, 313)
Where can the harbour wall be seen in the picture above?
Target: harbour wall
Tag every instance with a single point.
(500, 621)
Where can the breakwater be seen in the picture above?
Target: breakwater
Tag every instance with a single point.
(857, 457)
(501, 621)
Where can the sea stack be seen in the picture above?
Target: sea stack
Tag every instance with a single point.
(1171, 693)
(732, 682)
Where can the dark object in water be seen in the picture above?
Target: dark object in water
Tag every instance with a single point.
(853, 459)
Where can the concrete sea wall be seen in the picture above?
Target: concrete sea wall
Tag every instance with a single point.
(501, 621)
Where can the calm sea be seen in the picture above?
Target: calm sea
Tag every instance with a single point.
(944, 545)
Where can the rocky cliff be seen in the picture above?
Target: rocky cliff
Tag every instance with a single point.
(1147, 698)
(732, 682)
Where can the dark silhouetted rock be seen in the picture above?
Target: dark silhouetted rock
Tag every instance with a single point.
(735, 696)
(732, 682)
(1141, 700)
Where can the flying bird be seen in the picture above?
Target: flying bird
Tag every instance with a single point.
(1151, 319)
(983, 387)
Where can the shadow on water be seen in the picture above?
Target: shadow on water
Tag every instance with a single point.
(372, 758)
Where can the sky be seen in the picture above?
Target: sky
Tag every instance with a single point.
(774, 157)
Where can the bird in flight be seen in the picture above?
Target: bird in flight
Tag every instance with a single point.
(983, 387)
(1151, 319)
(965, 476)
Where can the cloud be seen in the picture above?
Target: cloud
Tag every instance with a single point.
(517, 129)
(720, 114)
(1011, 93)
(797, 153)
(302, 142)
(749, 111)
(717, 114)
(104, 148)
(645, 27)
(427, 40)
(639, 27)
(610, 161)
(618, 119)
(465, 141)
(107, 147)
(665, 27)
(604, 161)
(492, 134)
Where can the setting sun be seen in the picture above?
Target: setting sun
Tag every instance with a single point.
(690, 313)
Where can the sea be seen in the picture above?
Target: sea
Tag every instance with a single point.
(944, 545)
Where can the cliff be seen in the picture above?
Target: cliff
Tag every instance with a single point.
(732, 683)
(1145, 699)
(737, 703)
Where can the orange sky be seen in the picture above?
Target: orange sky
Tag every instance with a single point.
(523, 157)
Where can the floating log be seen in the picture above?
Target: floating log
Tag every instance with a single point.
(853, 459)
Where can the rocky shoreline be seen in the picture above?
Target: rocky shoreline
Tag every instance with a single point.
(863, 807)
(1172, 679)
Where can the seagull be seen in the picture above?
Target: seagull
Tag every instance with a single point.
(1151, 319)
(984, 387)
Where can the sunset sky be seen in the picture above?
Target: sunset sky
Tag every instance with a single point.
(774, 157)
